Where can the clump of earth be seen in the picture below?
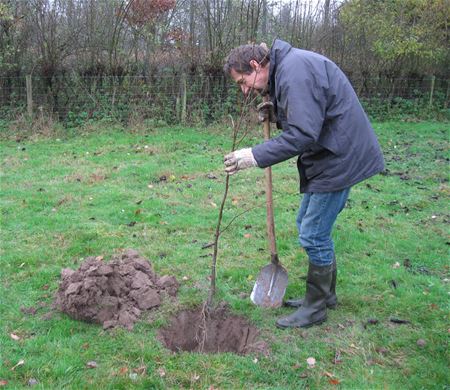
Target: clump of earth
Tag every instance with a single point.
(113, 293)
(211, 331)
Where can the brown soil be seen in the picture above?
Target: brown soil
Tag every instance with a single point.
(114, 293)
(211, 331)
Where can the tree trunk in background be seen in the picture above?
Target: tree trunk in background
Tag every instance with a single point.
(326, 14)
(264, 21)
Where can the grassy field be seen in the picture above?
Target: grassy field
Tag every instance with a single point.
(158, 191)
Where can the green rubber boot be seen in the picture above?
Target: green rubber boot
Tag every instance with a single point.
(314, 308)
(331, 300)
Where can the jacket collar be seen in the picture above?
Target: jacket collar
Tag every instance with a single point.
(278, 51)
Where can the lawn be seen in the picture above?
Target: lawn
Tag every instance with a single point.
(158, 191)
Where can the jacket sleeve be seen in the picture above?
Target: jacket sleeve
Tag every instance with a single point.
(301, 95)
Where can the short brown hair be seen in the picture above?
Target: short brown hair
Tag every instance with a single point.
(240, 57)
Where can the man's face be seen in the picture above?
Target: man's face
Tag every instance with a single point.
(256, 81)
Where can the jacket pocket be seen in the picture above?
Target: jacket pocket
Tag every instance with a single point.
(313, 163)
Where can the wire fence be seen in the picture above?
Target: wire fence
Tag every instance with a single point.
(182, 98)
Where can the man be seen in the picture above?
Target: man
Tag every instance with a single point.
(325, 126)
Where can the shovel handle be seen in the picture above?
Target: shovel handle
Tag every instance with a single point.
(269, 199)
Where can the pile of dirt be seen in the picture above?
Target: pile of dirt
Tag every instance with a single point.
(211, 331)
(114, 293)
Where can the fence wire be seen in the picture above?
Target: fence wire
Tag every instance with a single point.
(179, 97)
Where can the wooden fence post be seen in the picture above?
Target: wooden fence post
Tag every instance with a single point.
(183, 98)
(29, 96)
(178, 108)
(433, 80)
(447, 94)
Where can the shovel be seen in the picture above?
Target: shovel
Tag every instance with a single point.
(271, 283)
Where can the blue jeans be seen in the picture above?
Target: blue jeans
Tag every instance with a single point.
(315, 220)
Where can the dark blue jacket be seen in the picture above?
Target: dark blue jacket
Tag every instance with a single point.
(322, 120)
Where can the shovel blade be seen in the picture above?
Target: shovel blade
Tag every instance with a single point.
(270, 286)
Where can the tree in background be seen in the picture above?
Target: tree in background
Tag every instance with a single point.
(14, 36)
(395, 38)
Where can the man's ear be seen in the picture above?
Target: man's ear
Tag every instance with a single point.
(255, 65)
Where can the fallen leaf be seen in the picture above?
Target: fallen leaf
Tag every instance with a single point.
(161, 372)
(311, 362)
(399, 321)
(337, 358)
(421, 343)
(334, 381)
(123, 370)
(303, 375)
(213, 204)
(328, 374)
(382, 350)
(140, 370)
(28, 310)
(138, 211)
(21, 362)
(247, 235)
(15, 337)
(91, 364)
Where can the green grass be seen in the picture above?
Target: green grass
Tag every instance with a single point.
(65, 199)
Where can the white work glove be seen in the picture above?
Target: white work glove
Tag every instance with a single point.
(238, 160)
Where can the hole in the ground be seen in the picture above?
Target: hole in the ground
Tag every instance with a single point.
(211, 331)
